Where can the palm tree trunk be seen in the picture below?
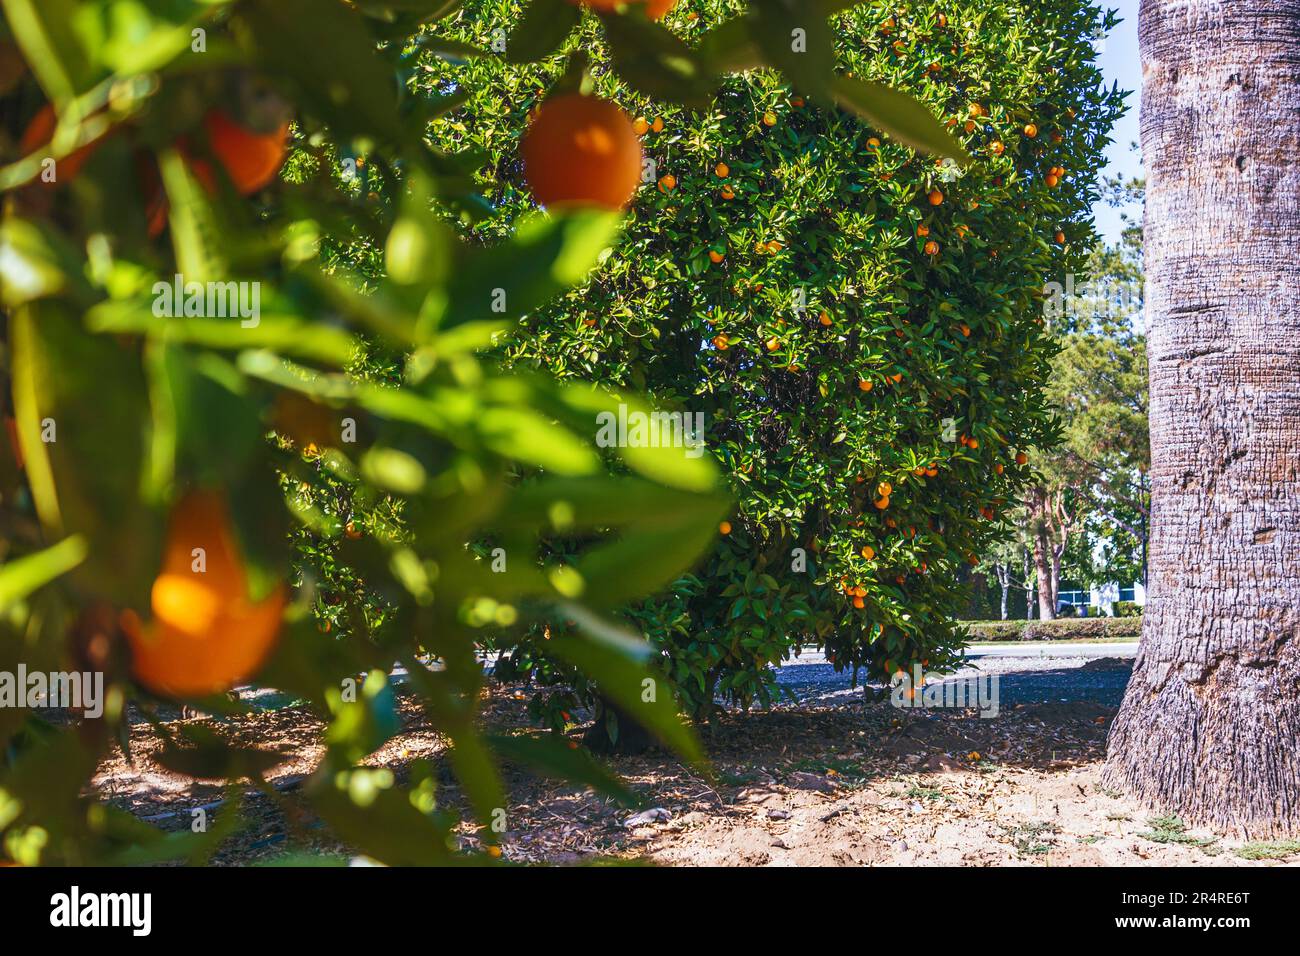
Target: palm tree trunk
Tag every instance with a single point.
(1210, 725)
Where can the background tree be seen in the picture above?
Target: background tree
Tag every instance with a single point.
(1209, 725)
(859, 324)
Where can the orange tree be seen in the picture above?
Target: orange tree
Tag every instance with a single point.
(859, 322)
(248, 433)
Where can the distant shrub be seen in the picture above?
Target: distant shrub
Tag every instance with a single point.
(1071, 629)
(1128, 609)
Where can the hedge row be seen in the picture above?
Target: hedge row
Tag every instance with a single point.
(1066, 629)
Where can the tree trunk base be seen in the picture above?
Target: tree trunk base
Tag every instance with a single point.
(632, 738)
(1214, 744)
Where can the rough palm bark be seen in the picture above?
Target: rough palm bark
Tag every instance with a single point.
(1210, 725)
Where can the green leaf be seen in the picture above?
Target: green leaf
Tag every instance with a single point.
(730, 47)
(35, 263)
(333, 68)
(285, 334)
(196, 234)
(526, 436)
(88, 394)
(620, 664)
(557, 758)
(22, 576)
(654, 61)
(542, 30)
(44, 30)
(547, 255)
(898, 114)
(380, 821)
(797, 40)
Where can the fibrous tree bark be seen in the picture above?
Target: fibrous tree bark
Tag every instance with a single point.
(1210, 724)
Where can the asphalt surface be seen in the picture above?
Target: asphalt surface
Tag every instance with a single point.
(1026, 674)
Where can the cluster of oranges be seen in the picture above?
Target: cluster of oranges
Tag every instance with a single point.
(251, 159)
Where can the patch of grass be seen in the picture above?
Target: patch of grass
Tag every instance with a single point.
(918, 792)
(1174, 830)
(837, 768)
(1118, 817)
(1089, 840)
(1032, 839)
(1268, 850)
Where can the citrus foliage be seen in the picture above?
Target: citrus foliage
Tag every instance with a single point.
(172, 455)
(860, 323)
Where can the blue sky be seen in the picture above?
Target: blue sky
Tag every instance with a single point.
(1120, 64)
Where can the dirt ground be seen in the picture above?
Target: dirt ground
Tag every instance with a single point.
(852, 784)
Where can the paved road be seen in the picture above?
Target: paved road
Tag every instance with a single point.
(1027, 673)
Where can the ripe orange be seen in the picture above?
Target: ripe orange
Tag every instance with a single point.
(873, 143)
(774, 247)
(998, 469)
(667, 183)
(942, 21)
(207, 634)
(39, 132)
(725, 527)
(1022, 458)
(653, 8)
(932, 248)
(824, 319)
(965, 330)
(997, 148)
(1060, 238)
(251, 159)
(859, 603)
(581, 150)
(935, 197)
(769, 118)
(865, 385)
(868, 552)
(882, 502)
(721, 342)
(715, 257)
(884, 489)
(722, 170)
(973, 443)
(1031, 130)
(773, 344)
(1052, 180)
(640, 126)
(922, 230)
(727, 193)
